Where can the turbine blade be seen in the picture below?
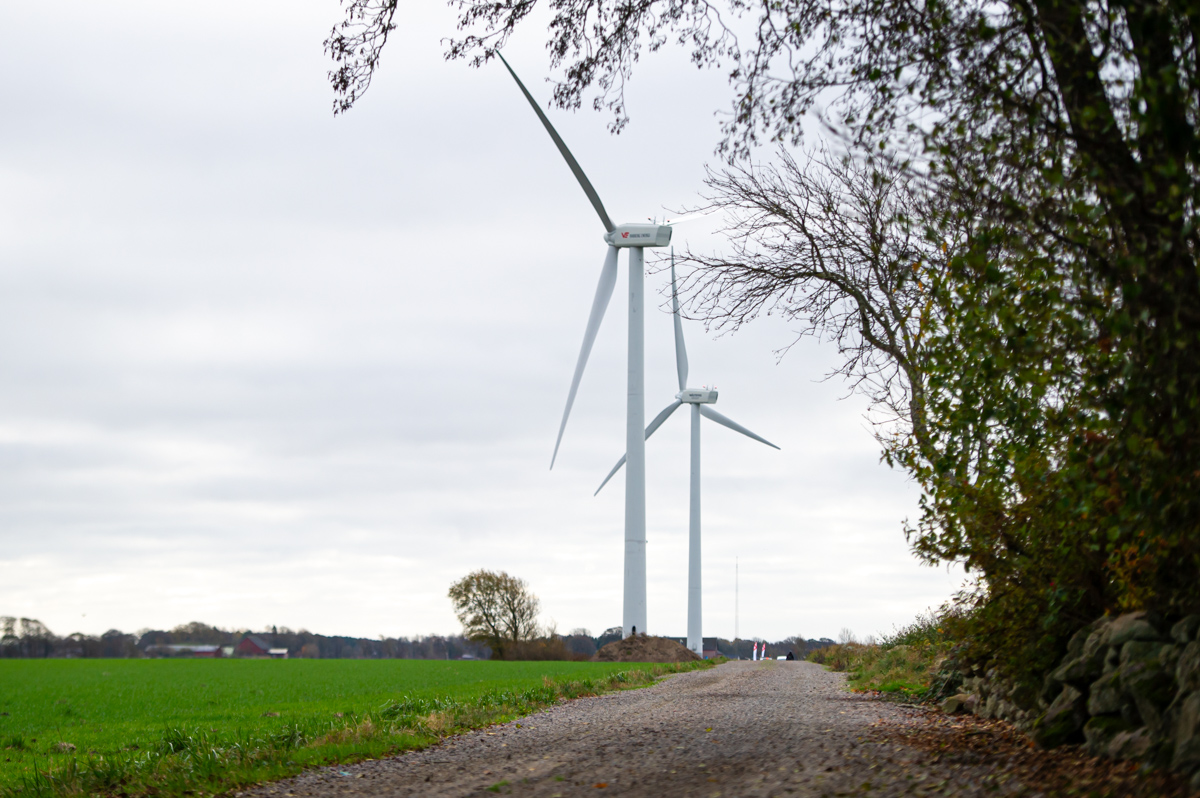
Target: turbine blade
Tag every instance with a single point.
(661, 417)
(708, 412)
(654, 425)
(604, 292)
(584, 183)
(681, 361)
(615, 469)
(689, 217)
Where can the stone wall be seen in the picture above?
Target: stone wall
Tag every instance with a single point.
(1128, 688)
(990, 696)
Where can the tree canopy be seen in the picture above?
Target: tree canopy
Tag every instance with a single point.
(496, 609)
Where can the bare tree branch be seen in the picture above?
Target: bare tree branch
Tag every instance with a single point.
(837, 245)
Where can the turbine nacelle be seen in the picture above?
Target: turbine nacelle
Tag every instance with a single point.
(639, 235)
(690, 396)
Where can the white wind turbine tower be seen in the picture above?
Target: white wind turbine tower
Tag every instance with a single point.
(634, 237)
(700, 401)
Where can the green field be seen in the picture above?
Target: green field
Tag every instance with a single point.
(208, 726)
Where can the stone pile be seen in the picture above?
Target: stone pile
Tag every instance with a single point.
(642, 648)
(1128, 688)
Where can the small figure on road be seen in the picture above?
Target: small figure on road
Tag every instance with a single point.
(791, 655)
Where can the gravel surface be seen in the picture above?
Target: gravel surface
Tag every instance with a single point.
(741, 729)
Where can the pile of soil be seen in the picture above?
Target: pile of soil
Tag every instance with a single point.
(641, 648)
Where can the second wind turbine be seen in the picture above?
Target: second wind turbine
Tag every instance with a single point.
(700, 401)
(634, 237)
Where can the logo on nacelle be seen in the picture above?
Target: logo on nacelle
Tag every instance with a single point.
(639, 235)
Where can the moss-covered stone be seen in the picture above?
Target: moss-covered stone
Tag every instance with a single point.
(1184, 632)
(1076, 643)
(1187, 667)
(1024, 696)
(1050, 689)
(1085, 656)
(1147, 682)
(1133, 744)
(1097, 639)
(1104, 695)
(1100, 731)
(1063, 721)
(1131, 626)
(1168, 659)
(1140, 650)
(1187, 735)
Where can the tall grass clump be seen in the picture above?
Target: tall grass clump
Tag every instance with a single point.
(915, 662)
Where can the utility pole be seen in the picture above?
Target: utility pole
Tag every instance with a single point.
(735, 605)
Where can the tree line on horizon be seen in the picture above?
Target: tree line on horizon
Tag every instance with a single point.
(27, 638)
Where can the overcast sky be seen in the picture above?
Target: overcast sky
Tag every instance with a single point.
(260, 365)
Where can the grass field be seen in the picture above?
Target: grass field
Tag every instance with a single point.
(138, 727)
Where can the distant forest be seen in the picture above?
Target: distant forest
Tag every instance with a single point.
(30, 639)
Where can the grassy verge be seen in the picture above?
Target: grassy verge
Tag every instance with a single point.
(204, 756)
(914, 663)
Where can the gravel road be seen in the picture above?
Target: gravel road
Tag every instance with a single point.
(741, 729)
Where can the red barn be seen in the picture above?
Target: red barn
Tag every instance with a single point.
(252, 646)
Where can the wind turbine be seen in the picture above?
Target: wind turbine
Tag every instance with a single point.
(634, 237)
(700, 400)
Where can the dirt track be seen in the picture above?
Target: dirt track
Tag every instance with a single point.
(742, 729)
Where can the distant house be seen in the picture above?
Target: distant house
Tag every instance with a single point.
(253, 646)
(277, 653)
